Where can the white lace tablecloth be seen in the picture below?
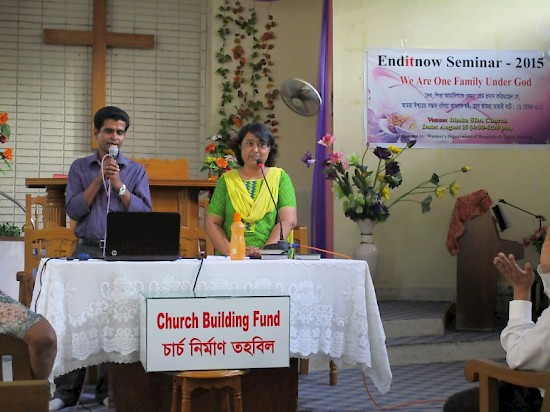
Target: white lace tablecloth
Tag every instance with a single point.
(94, 306)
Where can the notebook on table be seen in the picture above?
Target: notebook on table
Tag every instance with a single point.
(142, 236)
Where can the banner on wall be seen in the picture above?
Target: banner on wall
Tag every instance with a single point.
(456, 98)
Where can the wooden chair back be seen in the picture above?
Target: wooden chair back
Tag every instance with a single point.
(489, 372)
(34, 213)
(194, 242)
(23, 393)
(300, 237)
(165, 169)
(54, 242)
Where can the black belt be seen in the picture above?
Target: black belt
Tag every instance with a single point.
(94, 243)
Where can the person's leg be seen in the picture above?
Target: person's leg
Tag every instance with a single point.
(518, 398)
(42, 343)
(22, 323)
(464, 401)
(102, 386)
(67, 389)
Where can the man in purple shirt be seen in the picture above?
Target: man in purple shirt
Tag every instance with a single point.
(105, 181)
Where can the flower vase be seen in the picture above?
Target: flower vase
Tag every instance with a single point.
(367, 250)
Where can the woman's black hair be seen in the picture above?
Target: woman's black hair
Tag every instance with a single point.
(262, 132)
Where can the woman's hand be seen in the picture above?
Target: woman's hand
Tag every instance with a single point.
(253, 252)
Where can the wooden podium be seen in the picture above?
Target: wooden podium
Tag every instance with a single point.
(180, 196)
(477, 277)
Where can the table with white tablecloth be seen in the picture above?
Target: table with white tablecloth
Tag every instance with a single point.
(94, 306)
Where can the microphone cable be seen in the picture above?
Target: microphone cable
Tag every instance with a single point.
(113, 153)
(197, 278)
(283, 244)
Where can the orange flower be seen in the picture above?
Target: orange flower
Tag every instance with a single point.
(236, 121)
(221, 162)
(3, 118)
(210, 148)
(8, 154)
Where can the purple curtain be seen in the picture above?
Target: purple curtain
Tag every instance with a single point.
(321, 198)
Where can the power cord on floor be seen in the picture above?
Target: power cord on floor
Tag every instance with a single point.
(400, 405)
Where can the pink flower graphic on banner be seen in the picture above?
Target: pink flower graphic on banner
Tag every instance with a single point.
(391, 127)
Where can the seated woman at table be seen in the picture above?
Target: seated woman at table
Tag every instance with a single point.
(244, 190)
(20, 322)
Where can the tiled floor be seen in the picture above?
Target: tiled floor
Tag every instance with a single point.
(414, 387)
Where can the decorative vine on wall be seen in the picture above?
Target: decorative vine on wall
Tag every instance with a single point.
(247, 84)
(245, 62)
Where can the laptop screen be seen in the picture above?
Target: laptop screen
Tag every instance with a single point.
(142, 236)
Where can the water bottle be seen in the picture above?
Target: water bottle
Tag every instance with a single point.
(237, 247)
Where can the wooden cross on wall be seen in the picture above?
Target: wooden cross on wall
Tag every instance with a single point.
(99, 39)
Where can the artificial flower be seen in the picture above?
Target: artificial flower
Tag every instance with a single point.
(536, 239)
(366, 192)
(7, 155)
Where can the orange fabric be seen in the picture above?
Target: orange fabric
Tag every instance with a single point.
(466, 207)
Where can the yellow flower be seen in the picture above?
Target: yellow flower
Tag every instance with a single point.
(454, 188)
(394, 149)
(440, 192)
(386, 193)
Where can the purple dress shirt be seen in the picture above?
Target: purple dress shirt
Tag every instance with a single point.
(91, 221)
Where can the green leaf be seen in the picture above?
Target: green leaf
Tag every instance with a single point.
(435, 179)
(5, 130)
(425, 204)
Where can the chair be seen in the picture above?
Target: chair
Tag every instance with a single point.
(54, 242)
(301, 238)
(23, 393)
(489, 372)
(34, 212)
(194, 242)
(185, 383)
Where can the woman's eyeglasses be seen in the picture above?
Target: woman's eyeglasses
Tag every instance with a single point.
(249, 144)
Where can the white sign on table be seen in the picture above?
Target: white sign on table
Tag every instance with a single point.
(179, 333)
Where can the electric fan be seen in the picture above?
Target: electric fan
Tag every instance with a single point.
(301, 97)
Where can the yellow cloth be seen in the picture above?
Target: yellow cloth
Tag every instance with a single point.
(250, 210)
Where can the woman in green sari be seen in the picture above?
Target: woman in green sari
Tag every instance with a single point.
(244, 190)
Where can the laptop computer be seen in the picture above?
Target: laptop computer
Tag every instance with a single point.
(142, 236)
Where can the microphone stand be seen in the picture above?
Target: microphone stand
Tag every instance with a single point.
(539, 217)
(282, 244)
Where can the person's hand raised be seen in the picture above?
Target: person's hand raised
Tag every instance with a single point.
(545, 253)
(521, 279)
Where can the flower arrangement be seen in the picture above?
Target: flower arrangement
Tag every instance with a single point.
(536, 239)
(366, 192)
(5, 130)
(219, 158)
(247, 84)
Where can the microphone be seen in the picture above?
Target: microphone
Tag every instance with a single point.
(113, 151)
(282, 244)
(539, 217)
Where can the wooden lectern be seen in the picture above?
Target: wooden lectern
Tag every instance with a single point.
(477, 277)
